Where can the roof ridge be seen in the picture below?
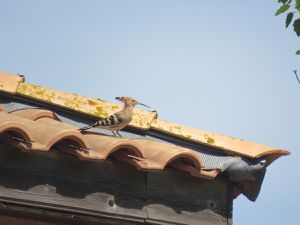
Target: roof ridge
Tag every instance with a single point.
(222, 142)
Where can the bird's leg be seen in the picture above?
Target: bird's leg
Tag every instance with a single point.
(113, 132)
(118, 133)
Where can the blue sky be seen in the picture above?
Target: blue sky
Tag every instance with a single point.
(222, 67)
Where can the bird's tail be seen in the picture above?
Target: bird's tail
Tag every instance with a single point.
(87, 127)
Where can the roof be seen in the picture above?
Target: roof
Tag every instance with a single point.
(41, 130)
(31, 127)
(142, 119)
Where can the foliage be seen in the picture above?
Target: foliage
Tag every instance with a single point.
(292, 7)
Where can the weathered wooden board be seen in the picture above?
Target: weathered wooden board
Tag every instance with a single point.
(11, 214)
(62, 182)
(180, 198)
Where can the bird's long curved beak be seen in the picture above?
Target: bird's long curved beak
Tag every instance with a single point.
(143, 105)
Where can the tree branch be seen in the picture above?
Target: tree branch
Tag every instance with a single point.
(295, 72)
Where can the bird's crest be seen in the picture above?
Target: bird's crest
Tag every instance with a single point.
(130, 100)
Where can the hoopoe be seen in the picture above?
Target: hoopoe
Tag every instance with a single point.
(119, 120)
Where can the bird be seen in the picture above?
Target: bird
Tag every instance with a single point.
(118, 120)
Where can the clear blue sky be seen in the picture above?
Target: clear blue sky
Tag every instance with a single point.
(222, 67)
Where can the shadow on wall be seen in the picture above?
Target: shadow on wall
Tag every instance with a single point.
(62, 179)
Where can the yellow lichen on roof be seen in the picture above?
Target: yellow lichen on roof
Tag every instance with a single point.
(9, 83)
(95, 107)
(221, 142)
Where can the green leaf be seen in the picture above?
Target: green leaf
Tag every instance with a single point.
(298, 52)
(297, 26)
(282, 1)
(289, 18)
(298, 5)
(282, 9)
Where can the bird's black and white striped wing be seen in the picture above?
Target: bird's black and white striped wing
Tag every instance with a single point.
(107, 122)
(110, 121)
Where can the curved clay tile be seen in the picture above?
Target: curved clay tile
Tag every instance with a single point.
(185, 158)
(272, 157)
(16, 134)
(72, 146)
(97, 144)
(56, 123)
(274, 152)
(35, 114)
(63, 135)
(217, 141)
(184, 162)
(42, 135)
(127, 155)
(210, 174)
(9, 83)
(194, 171)
(10, 126)
(192, 163)
(102, 147)
(134, 147)
(144, 154)
(127, 151)
(157, 155)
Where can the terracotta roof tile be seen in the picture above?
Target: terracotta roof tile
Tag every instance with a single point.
(40, 130)
(144, 120)
(222, 142)
(95, 107)
(9, 83)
